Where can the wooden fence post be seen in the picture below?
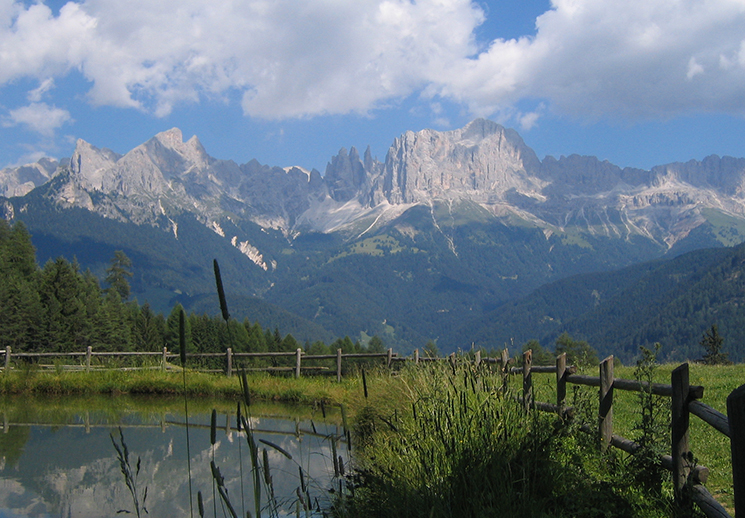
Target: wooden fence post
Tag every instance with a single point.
(338, 365)
(416, 356)
(390, 357)
(504, 360)
(605, 414)
(477, 360)
(164, 362)
(736, 417)
(561, 382)
(527, 379)
(298, 356)
(88, 351)
(229, 362)
(679, 432)
(7, 359)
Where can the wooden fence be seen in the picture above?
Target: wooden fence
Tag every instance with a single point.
(230, 359)
(688, 479)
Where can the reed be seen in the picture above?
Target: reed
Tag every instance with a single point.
(130, 475)
(458, 445)
(182, 356)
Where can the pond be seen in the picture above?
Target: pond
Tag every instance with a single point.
(57, 458)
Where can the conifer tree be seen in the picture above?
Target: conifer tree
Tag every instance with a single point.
(712, 342)
(118, 273)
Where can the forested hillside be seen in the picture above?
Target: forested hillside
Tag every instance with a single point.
(672, 302)
(59, 308)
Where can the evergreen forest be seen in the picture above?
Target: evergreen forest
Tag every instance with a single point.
(60, 308)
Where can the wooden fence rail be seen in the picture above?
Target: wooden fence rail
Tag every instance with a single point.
(688, 479)
(230, 359)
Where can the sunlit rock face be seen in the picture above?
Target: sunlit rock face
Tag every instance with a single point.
(483, 163)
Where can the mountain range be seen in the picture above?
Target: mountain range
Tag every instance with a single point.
(425, 245)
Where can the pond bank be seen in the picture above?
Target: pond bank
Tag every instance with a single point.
(308, 390)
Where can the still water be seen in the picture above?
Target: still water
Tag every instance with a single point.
(57, 458)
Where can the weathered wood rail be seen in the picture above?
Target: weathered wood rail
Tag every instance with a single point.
(163, 360)
(688, 479)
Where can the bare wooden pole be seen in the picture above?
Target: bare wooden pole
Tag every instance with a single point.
(390, 358)
(477, 360)
(561, 382)
(88, 351)
(503, 360)
(605, 415)
(679, 432)
(7, 359)
(338, 365)
(298, 357)
(416, 356)
(164, 361)
(736, 416)
(527, 379)
(229, 362)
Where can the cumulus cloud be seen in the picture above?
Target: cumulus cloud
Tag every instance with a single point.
(627, 58)
(283, 58)
(38, 117)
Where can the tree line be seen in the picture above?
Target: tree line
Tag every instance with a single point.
(60, 308)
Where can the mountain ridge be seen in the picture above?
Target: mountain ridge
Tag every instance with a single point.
(447, 227)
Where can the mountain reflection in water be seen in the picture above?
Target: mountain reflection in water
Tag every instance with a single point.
(60, 461)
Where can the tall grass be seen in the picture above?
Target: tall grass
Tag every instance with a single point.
(457, 445)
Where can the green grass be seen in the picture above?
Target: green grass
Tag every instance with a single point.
(454, 445)
(711, 448)
(263, 386)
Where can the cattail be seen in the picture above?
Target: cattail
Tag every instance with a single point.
(221, 292)
(302, 478)
(244, 388)
(213, 428)
(267, 475)
(334, 456)
(182, 337)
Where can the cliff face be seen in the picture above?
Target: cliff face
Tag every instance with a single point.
(481, 160)
(483, 163)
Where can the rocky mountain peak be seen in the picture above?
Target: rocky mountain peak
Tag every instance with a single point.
(481, 157)
(20, 181)
(89, 164)
(482, 163)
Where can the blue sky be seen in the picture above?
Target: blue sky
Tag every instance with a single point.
(289, 82)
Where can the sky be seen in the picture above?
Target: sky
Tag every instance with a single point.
(290, 82)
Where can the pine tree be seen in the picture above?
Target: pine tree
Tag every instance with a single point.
(117, 274)
(712, 342)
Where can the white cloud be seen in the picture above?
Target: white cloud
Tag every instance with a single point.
(694, 69)
(37, 94)
(528, 120)
(628, 58)
(39, 117)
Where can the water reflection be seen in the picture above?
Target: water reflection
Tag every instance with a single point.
(57, 458)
